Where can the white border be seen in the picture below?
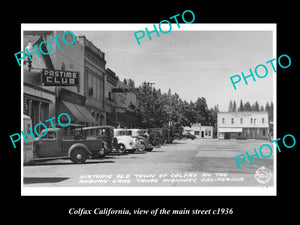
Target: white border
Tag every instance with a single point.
(156, 191)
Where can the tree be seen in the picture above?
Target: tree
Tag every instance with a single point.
(262, 108)
(234, 106)
(271, 112)
(255, 106)
(267, 108)
(247, 106)
(230, 107)
(241, 108)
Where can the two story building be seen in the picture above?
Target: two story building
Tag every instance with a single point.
(243, 125)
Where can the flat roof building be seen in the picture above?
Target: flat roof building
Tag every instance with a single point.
(243, 125)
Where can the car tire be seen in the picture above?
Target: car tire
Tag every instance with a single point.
(121, 148)
(142, 148)
(78, 155)
(149, 149)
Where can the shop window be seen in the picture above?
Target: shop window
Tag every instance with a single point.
(91, 91)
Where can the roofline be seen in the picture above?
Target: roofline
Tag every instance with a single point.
(245, 112)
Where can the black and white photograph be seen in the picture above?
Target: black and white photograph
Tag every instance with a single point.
(139, 109)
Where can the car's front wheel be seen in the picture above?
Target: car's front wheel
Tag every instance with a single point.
(121, 148)
(141, 146)
(78, 155)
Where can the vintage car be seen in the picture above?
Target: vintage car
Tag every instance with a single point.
(162, 133)
(166, 132)
(103, 133)
(67, 142)
(189, 136)
(125, 142)
(141, 135)
(155, 137)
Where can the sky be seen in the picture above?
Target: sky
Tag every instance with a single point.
(192, 63)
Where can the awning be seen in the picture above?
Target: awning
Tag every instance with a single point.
(230, 129)
(79, 112)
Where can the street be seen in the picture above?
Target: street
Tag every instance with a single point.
(199, 162)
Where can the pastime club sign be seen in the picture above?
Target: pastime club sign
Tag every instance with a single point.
(59, 78)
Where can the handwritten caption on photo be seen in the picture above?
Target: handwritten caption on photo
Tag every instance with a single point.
(162, 178)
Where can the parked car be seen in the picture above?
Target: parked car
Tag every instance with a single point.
(103, 133)
(155, 137)
(190, 136)
(167, 135)
(141, 136)
(125, 142)
(163, 133)
(67, 142)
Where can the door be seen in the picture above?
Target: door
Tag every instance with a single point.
(227, 135)
(48, 146)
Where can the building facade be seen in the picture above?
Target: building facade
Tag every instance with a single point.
(84, 101)
(243, 125)
(39, 101)
(94, 74)
(199, 131)
(111, 81)
(126, 103)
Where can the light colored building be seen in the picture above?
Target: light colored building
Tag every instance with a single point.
(243, 125)
(199, 131)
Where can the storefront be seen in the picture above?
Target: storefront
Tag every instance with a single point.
(243, 125)
(74, 104)
(36, 108)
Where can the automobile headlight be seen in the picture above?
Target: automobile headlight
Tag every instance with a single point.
(135, 140)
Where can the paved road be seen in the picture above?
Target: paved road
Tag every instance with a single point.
(200, 162)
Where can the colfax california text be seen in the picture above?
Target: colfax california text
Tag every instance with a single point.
(126, 134)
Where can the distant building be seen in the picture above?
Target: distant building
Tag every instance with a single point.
(111, 81)
(199, 131)
(243, 125)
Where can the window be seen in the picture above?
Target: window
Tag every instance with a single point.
(263, 120)
(52, 135)
(223, 120)
(197, 132)
(251, 120)
(255, 121)
(241, 121)
(232, 120)
(264, 132)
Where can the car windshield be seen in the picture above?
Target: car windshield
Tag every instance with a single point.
(141, 132)
(102, 132)
(120, 133)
